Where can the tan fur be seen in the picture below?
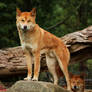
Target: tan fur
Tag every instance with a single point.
(37, 41)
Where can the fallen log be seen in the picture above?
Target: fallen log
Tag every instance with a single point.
(12, 60)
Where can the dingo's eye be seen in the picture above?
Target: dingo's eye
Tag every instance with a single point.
(22, 20)
(78, 82)
(28, 21)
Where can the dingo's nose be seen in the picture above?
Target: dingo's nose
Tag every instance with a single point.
(25, 27)
(75, 87)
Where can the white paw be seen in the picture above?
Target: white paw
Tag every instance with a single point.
(27, 78)
(69, 89)
(34, 79)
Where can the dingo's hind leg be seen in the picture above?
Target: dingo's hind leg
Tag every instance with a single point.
(51, 61)
(64, 66)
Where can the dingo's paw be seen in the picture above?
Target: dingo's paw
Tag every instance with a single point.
(34, 79)
(27, 78)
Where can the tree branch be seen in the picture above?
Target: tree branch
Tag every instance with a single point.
(58, 24)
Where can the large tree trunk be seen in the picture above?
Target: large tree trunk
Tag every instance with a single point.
(12, 60)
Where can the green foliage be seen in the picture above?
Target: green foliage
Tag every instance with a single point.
(89, 64)
(8, 33)
(49, 13)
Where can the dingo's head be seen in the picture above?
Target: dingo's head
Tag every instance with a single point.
(77, 81)
(26, 20)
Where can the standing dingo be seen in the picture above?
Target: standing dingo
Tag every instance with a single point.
(35, 41)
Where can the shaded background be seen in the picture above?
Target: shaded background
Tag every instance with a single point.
(57, 16)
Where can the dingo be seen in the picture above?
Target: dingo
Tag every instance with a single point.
(35, 41)
(77, 83)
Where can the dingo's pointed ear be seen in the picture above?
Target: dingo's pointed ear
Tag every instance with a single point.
(82, 75)
(18, 12)
(70, 74)
(33, 12)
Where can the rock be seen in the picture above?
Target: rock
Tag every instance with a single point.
(35, 86)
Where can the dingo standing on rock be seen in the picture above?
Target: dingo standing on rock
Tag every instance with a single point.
(35, 41)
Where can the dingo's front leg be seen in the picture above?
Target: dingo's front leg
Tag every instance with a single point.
(36, 65)
(29, 65)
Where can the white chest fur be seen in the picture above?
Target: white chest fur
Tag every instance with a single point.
(29, 46)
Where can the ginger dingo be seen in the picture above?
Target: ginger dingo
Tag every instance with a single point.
(35, 41)
(77, 82)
